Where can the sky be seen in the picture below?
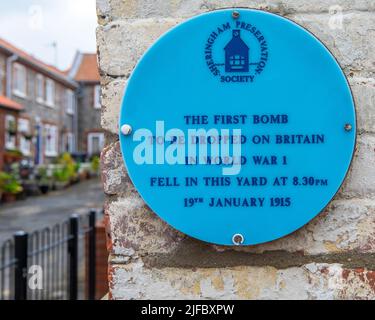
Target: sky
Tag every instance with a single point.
(34, 25)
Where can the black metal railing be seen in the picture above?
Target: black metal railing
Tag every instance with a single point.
(54, 263)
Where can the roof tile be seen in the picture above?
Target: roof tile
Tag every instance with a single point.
(24, 55)
(88, 69)
(10, 104)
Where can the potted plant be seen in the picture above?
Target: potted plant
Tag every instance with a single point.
(12, 130)
(11, 156)
(44, 181)
(84, 171)
(3, 178)
(10, 187)
(76, 176)
(95, 165)
(67, 171)
(61, 176)
(28, 136)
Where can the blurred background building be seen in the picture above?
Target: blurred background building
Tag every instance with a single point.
(45, 111)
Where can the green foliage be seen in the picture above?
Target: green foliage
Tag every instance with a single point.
(62, 174)
(77, 167)
(12, 127)
(95, 164)
(9, 183)
(14, 153)
(67, 169)
(43, 177)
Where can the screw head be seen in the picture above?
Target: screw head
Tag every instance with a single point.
(348, 127)
(238, 239)
(235, 14)
(126, 129)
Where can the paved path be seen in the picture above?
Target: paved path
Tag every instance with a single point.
(38, 212)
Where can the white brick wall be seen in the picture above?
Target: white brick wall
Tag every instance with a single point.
(331, 257)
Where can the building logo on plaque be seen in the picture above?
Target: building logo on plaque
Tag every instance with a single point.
(246, 163)
(236, 51)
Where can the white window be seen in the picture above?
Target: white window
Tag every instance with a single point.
(19, 80)
(23, 125)
(70, 102)
(95, 143)
(51, 140)
(50, 93)
(25, 136)
(69, 142)
(97, 104)
(10, 132)
(39, 88)
(25, 145)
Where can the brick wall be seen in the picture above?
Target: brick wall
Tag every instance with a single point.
(38, 111)
(101, 266)
(332, 257)
(88, 116)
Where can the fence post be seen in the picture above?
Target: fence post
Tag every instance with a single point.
(20, 272)
(73, 257)
(92, 255)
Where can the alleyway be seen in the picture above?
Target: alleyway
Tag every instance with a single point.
(38, 212)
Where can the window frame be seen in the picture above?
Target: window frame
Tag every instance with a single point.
(53, 93)
(21, 122)
(22, 139)
(20, 92)
(25, 146)
(48, 130)
(40, 98)
(97, 96)
(2, 79)
(70, 101)
(92, 135)
(69, 139)
(9, 144)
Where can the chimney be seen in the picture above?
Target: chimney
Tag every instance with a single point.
(236, 33)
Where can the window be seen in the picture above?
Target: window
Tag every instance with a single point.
(97, 104)
(50, 93)
(25, 146)
(70, 102)
(19, 80)
(2, 75)
(10, 132)
(25, 136)
(95, 143)
(69, 142)
(51, 142)
(237, 61)
(23, 125)
(39, 88)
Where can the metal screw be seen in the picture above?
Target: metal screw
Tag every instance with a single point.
(348, 127)
(126, 129)
(235, 14)
(238, 239)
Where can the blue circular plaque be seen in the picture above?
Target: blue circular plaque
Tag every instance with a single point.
(237, 127)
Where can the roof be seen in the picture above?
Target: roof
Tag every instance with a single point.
(10, 104)
(36, 63)
(85, 68)
(236, 43)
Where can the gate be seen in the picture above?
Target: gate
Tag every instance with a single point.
(54, 263)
